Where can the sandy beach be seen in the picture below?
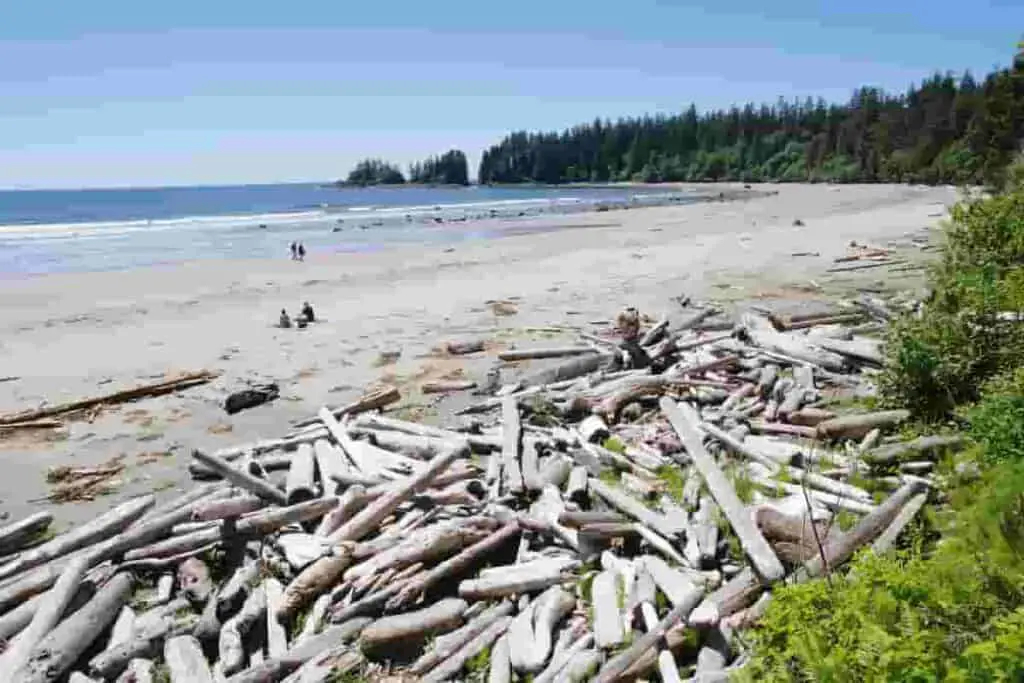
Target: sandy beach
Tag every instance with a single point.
(69, 336)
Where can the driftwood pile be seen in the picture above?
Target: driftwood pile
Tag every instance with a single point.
(625, 517)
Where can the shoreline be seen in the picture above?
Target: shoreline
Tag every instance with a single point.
(68, 336)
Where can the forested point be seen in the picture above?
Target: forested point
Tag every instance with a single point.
(946, 130)
(374, 172)
(450, 168)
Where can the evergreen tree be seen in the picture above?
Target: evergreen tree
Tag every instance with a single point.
(944, 130)
(374, 172)
(451, 168)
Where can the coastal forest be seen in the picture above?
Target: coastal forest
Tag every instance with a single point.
(450, 168)
(945, 130)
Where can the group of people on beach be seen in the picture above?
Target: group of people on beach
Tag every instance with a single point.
(298, 251)
(305, 317)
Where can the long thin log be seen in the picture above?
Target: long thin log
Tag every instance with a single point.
(616, 666)
(101, 528)
(143, 391)
(762, 334)
(300, 485)
(255, 526)
(856, 426)
(277, 637)
(241, 478)
(369, 519)
(504, 584)
(228, 507)
(685, 422)
(440, 617)
(608, 631)
(442, 651)
(513, 355)
(145, 643)
(230, 645)
(906, 515)
(922, 445)
(634, 508)
(314, 580)
(47, 615)
(577, 367)
(454, 565)
(276, 668)
(14, 536)
(480, 642)
(186, 662)
(501, 668)
(737, 447)
(59, 650)
(375, 400)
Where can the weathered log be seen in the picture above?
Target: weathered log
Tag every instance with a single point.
(885, 455)
(500, 670)
(47, 615)
(548, 610)
(138, 671)
(578, 519)
(480, 642)
(555, 470)
(856, 426)
(257, 525)
(300, 485)
(277, 637)
(426, 546)
(374, 400)
(314, 580)
(301, 549)
(736, 446)
(454, 565)
(370, 517)
(479, 443)
(614, 668)
(514, 355)
(241, 478)
(143, 391)
(185, 661)
(906, 515)
(327, 666)
(228, 507)
(276, 668)
(14, 536)
(685, 422)
(677, 587)
(576, 486)
(461, 347)
(634, 508)
(608, 631)
(441, 617)
(314, 620)
(448, 645)
(505, 583)
(99, 529)
(447, 386)
(235, 629)
(762, 334)
(145, 642)
(62, 647)
(331, 462)
(861, 349)
(577, 367)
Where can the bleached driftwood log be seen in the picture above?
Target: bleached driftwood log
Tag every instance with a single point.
(856, 426)
(500, 670)
(440, 617)
(508, 582)
(684, 421)
(301, 485)
(277, 636)
(145, 642)
(185, 661)
(62, 647)
(608, 631)
(276, 668)
(47, 615)
(99, 529)
(448, 645)
(235, 629)
(242, 478)
(634, 508)
(14, 536)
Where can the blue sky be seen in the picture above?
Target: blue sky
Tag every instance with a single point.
(108, 92)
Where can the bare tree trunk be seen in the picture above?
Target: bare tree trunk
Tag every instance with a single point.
(15, 535)
(440, 617)
(255, 485)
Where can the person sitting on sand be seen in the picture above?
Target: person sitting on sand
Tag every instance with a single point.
(284, 322)
(307, 312)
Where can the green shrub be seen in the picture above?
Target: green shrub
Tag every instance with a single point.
(997, 421)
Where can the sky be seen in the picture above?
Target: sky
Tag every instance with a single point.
(128, 93)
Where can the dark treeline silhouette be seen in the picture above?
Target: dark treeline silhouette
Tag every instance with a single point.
(374, 172)
(451, 168)
(945, 130)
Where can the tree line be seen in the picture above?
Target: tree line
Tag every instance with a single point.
(450, 168)
(945, 130)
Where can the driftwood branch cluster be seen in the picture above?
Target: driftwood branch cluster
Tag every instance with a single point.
(633, 490)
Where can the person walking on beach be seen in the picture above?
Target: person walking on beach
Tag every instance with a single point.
(295, 251)
(302, 252)
(284, 322)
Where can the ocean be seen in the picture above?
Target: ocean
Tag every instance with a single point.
(50, 231)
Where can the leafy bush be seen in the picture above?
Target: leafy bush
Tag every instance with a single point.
(997, 422)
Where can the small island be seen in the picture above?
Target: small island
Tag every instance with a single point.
(450, 168)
